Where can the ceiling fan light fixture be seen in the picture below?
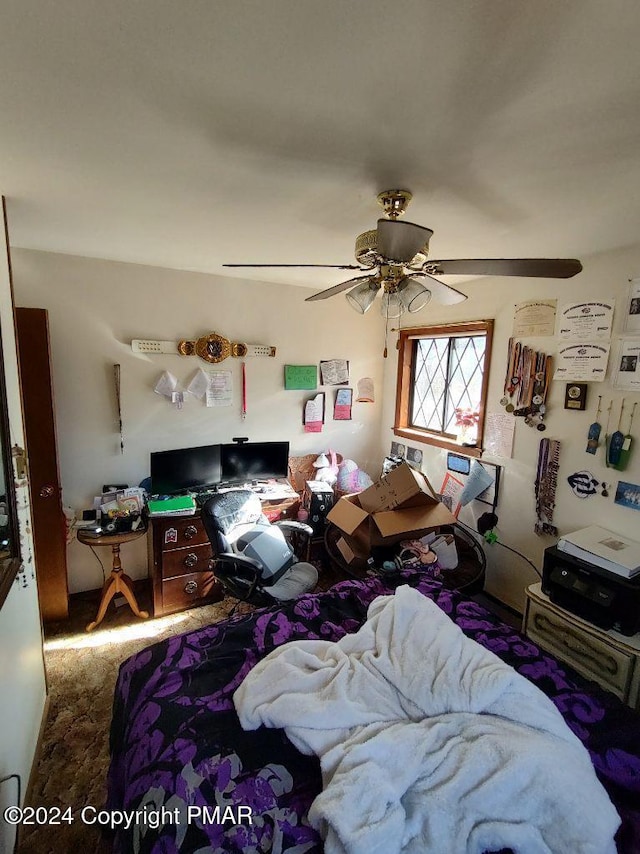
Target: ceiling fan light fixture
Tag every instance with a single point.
(399, 241)
(413, 295)
(391, 305)
(362, 296)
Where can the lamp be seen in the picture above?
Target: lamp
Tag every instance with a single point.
(413, 294)
(362, 296)
(391, 305)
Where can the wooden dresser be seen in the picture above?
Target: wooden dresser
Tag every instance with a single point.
(609, 658)
(180, 564)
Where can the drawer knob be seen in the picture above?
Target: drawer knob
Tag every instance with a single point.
(191, 559)
(191, 587)
(190, 531)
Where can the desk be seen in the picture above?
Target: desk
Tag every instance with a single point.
(117, 582)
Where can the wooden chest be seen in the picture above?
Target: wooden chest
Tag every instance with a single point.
(180, 564)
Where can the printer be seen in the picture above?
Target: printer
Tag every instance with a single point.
(602, 597)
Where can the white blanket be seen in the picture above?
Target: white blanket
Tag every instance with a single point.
(428, 742)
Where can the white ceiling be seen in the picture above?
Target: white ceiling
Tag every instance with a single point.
(189, 133)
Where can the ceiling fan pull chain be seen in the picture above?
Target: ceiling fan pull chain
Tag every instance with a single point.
(386, 332)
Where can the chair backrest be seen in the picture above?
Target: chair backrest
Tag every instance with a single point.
(227, 515)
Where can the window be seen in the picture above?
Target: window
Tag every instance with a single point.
(443, 375)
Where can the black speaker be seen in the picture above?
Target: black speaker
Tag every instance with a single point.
(318, 500)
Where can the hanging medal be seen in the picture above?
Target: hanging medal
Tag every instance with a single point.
(627, 442)
(615, 443)
(593, 436)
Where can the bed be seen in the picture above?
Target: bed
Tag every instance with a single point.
(176, 742)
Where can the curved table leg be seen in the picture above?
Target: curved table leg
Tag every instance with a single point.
(108, 592)
(124, 586)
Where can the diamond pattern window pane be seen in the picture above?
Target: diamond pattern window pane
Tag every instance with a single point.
(447, 376)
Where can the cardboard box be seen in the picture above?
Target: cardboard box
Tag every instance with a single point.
(417, 512)
(350, 552)
(401, 487)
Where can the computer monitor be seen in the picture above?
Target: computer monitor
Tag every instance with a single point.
(250, 461)
(185, 469)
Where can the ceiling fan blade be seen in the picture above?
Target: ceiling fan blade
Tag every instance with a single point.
(337, 289)
(399, 241)
(544, 268)
(333, 266)
(444, 294)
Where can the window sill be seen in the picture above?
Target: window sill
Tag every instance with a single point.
(419, 436)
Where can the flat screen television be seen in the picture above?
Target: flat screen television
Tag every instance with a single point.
(185, 469)
(254, 461)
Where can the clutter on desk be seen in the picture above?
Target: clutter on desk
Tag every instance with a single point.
(179, 505)
(119, 510)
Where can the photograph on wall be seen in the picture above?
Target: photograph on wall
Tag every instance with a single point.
(628, 495)
(627, 375)
(632, 317)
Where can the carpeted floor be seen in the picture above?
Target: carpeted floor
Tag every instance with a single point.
(81, 672)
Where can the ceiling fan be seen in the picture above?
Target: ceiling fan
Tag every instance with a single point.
(397, 253)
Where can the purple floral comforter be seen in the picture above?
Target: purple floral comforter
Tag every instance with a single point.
(186, 777)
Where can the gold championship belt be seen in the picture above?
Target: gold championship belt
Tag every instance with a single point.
(212, 348)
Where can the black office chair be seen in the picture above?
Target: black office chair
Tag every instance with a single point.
(257, 561)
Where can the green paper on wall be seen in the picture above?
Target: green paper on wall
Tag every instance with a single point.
(300, 376)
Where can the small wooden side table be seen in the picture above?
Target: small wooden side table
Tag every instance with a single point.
(118, 581)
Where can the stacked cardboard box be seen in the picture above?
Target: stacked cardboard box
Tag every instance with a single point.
(401, 505)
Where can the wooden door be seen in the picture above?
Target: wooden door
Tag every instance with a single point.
(32, 326)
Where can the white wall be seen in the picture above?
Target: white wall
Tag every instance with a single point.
(22, 677)
(97, 307)
(603, 275)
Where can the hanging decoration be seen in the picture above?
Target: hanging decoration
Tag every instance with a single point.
(616, 440)
(583, 484)
(593, 436)
(212, 348)
(526, 384)
(627, 442)
(116, 376)
(546, 484)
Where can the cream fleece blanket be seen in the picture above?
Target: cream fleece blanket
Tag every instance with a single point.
(428, 742)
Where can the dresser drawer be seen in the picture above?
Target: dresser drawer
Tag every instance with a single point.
(188, 590)
(185, 561)
(590, 656)
(180, 533)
